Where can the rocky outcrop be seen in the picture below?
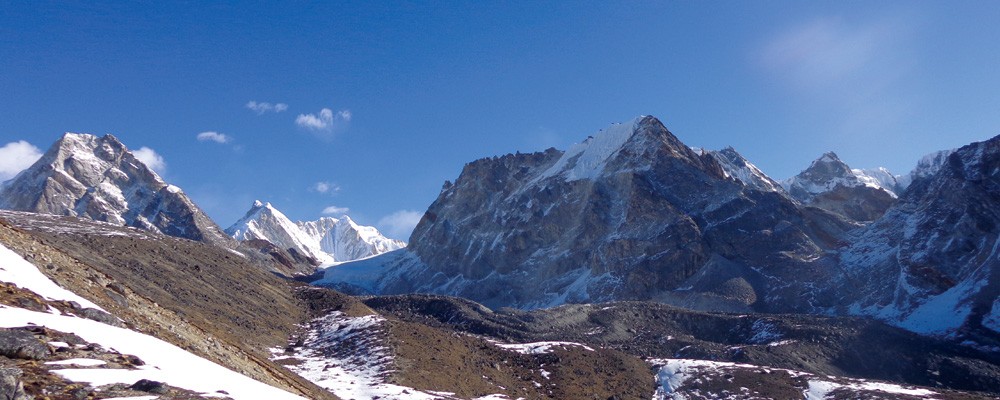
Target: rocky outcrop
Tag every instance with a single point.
(98, 178)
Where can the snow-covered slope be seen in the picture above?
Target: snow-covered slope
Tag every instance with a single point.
(162, 362)
(684, 379)
(99, 178)
(328, 240)
(926, 167)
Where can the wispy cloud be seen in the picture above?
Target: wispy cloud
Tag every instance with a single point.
(15, 157)
(334, 210)
(326, 187)
(151, 158)
(263, 107)
(829, 50)
(212, 136)
(400, 224)
(854, 70)
(325, 120)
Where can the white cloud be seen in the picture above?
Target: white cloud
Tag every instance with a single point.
(263, 107)
(326, 187)
(400, 224)
(213, 136)
(152, 160)
(325, 120)
(15, 157)
(334, 210)
(829, 50)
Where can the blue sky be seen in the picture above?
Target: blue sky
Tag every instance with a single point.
(382, 102)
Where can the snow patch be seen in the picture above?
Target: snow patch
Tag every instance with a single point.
(540, 347)
(15, 269)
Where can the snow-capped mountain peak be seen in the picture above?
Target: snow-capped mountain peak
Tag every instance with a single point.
(265, 222)
(327, 240)
(828, 171)
(98, 178)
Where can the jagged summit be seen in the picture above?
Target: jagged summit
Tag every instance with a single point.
(326, 240)
(98, 178)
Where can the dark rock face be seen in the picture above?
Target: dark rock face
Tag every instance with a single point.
(146, 385)
(931, 263)
(859, 203)
(19, 343)
(631, 213)
(99, 178)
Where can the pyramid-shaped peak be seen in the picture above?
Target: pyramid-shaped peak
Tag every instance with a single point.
(829, 157)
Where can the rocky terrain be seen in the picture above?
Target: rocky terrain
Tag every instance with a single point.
(931, 264)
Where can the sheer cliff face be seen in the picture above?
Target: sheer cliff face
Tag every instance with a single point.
(99, 178)
(631, 213)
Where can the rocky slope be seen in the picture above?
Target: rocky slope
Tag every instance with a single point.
(631, 213)
(326, 241)
(99, 178)
(817, 348)
(931, 263)
(210, 301)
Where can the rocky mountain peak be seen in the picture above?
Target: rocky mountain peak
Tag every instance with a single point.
(99, 178)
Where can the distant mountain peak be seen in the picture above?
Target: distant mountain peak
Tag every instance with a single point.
(327, 240)
(829, 183)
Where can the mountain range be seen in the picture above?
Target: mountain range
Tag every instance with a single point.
(628, 266)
